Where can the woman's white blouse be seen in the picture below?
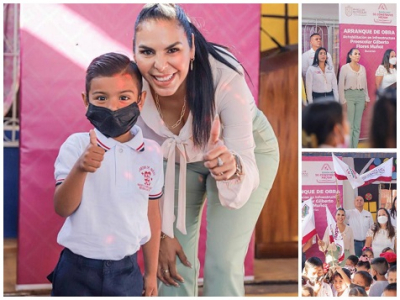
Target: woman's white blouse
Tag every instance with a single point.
(388, 77)
(380, 241)
(236, 108)
(321, 82)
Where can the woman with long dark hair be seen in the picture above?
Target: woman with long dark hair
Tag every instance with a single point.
(383, 233)
(386, 74)
(321, 83)
(353, 92)
(188, 82)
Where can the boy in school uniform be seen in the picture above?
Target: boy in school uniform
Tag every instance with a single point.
(314, 273)
(108, 183)
(379, 267)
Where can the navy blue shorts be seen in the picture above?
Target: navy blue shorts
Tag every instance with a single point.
(76, 275)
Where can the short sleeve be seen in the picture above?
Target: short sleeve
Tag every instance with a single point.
(380, 71)
(370, 233)
(69, 153)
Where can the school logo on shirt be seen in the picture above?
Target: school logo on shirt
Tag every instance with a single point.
(148, 174)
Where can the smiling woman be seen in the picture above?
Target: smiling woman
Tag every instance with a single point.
(188, 82)
(331, 251)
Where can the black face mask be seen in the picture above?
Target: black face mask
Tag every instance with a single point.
(113, 123)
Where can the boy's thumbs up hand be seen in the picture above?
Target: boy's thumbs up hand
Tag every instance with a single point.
(91, 159)
(93, 137)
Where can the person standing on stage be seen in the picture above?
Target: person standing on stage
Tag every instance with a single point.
(353, 92)
(308, 56)
(359, 220)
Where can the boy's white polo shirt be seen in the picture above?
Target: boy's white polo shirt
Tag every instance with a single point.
(111, 220)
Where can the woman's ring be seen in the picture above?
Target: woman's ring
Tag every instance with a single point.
(220, 163)
(165, 271)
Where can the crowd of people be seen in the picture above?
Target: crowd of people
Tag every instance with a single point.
(369, 264)
(362, 276)
(350, 90)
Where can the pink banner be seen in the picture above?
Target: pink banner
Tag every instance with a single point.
(319, 183)
(372, 29)
(57, 43)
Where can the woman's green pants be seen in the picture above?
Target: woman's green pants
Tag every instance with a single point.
(228, 231)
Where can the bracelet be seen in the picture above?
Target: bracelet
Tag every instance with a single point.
(238, 171)
(163, 235)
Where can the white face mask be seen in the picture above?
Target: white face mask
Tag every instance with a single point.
(393, 60)
(382, 219)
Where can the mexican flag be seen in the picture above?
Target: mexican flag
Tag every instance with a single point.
(307, 221)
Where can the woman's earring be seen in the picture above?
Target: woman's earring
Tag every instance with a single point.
(191, 64)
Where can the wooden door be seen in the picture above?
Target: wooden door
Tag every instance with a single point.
(277, 227)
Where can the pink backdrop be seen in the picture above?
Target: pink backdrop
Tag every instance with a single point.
(360, 25)
(319, 182)
(57, 43)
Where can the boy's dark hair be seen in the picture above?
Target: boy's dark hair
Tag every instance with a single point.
(110, 64)
(200, 94)
(366, 264)
(316, 60)
(314, 34)
(367, 277)
(312, 262)
(318, 121)
(392, 269)
(353, 258)
(354, 291)
(346, 271)
(380, 265)
(391, 287)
